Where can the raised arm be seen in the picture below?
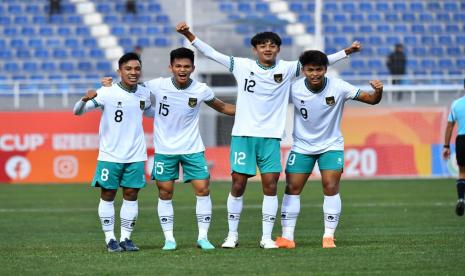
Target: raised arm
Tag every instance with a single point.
(447, 136)
(353, 48)
(372, 98)
(222, 107)
(85, 104)
(203, 47)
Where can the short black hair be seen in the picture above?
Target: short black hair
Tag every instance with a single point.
(313, 57)
(127, 57)
(181, 53)
(262, 38)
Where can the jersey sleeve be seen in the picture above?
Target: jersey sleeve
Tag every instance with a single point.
(211, 53)
(350, 92)
(209, 95)
(333, 58)
(295, 68)
(153, 85)
(452, 118)
(98, 102)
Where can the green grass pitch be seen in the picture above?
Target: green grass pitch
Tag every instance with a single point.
(387, 227)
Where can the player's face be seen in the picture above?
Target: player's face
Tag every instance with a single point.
(182, 69)
(130, 72)
(315, 74)
(266, 52)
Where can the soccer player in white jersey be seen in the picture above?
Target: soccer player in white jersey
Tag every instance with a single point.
(262, 98)
(122, 149)
(178, 142)
(318, 106)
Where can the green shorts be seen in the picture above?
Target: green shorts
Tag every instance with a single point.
(332, 160)
(249, 152)
(166, 166)
(111, 175)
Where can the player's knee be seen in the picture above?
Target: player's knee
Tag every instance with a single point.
(237, 189)
(331, 189)
(293, 189)
(165, 194)
(204, 191)
(130, 194)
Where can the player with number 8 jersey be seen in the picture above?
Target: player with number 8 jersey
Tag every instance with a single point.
(122, 148)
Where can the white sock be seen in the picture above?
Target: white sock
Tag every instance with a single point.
(106, 213)
(203, 210)
(269, 210)
(331, 211)
(166, 215)
(290, 209)
(234, 214)
(128, 213)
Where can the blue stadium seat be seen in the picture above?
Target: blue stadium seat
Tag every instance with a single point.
(15, 9)
(348, 7)
(412, 63)
(28, 31)
(143, 42)
(21, 20)
(443, 17)
(418, 29)
(97, 53)
(104, 8)
(365, 6)
(436, 51)
(375, 64)
(416, 6)
(375, 40)
(296, 7)
(408, 17)
(428, 40)
(460, 39)
(64, 31)
(110, 19)
(445, 63)
(261, 7)
(419, 51)
(341, 41)
(10, 31)
(11, 67)
(17, 43)
(399, 7)
(78, 54)
(367, 29)
(452, 28)
(89, 42)
(162, 19)
(85, 66)
(82, 31)
(104, 66)
(357, 63)
(60, 54)
(6, 54)
(410, 40)
(426, 17)
(339, 18)
(374, 17)
(162, 42)
(48, 66)
(453, 51)
(244, 7)
(35, 43)
(39, 20)
(382, 6)
(305, 18)
(23, 53)
(459, 17)
(66, 66)
(435, 28)
(445, 40)
(152, 30)
(330, 29)
(428, 63)
(57, 19)
(136, 31)
(383, 28)
(451, 6)
(330, 7)
(74, 19)
(357, 17)
(383, 51)
(41, 53)
(53, 42)
(433, 6)
(391, 17)
(72, 43)
(348, 29)
(30, 66)
(154, 7)
(460, 62)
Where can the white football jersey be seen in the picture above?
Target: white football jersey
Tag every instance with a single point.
(121, 133)
(176, 124)
(262, 96)
(318, 114)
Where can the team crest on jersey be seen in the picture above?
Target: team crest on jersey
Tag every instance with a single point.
(120, 105)
(142, 105)
(330, 101)
(192, 102)
(278, 78)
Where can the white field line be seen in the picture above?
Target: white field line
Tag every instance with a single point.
(222, 206)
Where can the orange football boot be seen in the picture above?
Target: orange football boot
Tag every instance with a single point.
(328, 242)
(284, 243)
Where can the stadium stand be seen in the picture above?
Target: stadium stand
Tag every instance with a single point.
(430, 31)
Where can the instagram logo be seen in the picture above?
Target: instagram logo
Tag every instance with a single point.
(65, 166)
(17, 167)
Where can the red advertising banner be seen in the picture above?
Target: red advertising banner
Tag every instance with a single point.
(59, 147)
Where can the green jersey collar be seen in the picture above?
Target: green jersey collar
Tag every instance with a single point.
(325, 82)
(189, 82)
(265, 67)
(127, 89)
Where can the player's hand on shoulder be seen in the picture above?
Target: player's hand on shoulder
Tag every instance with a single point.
(89, 95)
(182, 28)
(377, 85)
(106, 81)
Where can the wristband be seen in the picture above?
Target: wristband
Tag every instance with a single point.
(446, 146)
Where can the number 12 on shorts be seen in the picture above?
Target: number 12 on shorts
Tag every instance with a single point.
(239, 158)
